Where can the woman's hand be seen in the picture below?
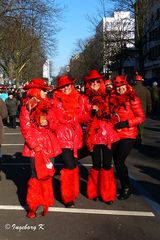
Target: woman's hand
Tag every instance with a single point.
(95, 107)
(43, 121)
(121, 125)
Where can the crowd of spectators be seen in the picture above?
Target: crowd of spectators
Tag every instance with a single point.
(12, 97)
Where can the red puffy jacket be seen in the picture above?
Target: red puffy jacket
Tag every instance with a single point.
(132, 112)
(68, 129)
(37, 136)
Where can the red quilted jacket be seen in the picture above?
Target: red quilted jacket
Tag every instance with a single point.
(68, 129)
(133, 112)
(37, 136)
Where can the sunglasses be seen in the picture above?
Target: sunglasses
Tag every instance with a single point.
(95, 80)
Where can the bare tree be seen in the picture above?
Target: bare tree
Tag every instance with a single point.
(28, 30)
(86, 56)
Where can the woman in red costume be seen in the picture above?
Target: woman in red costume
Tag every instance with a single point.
(101, 138)
(71, 112)
(40, 145)
(125, 104)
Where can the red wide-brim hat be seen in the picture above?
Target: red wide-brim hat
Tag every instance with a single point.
(93, 74)
(120, 81)
(37, 83)
(63, 81)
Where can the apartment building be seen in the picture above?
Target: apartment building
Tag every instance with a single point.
(118, 34)
(152, 45)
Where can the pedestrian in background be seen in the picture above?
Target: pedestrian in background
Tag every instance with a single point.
(155, 94)
(71, 112)
(3, 115)
(12, 107)
(145, 96)
(101, 139)
(126, 105)
(40, 146)
(18, 96)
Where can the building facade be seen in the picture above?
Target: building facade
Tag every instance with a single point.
(152, 46)
(118, 38)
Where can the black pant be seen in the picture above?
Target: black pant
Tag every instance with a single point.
(70, 162)
(120, 154)
(12, 121)
(102, 156)
(0, 151)
(33, 171)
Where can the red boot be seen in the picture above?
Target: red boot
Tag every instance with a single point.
(92, 186)
(34, 197)
(48, 194)
(107, 185)
(76, 182)
(31, 214)
(67, 179)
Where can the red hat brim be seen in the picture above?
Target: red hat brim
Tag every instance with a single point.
(29, 86)
(65, 83)
(93, 75)
(87, 79)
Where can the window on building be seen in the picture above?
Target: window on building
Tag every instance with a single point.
(152, 18)
(158, 14)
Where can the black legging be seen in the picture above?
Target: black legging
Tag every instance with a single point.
(102, 156)
(120, 154)
(33, 170)
(70, 162)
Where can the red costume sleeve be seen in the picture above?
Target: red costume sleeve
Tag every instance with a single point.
(138, 113)
(28, 132)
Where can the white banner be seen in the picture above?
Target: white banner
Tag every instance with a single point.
(46, 69)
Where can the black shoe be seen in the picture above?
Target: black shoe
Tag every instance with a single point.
(70, 205)
(96, 199)
(109, 202)
(125, 193)
(138, 143)
(39, 211)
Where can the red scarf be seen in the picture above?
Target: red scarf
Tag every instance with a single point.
(37, 108)
(41, 109)
(98, 98)
(93, 128)
(69, 101)
(34, 92)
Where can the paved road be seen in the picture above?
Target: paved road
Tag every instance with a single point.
(136, 218)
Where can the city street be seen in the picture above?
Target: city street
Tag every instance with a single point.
(136, 218)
